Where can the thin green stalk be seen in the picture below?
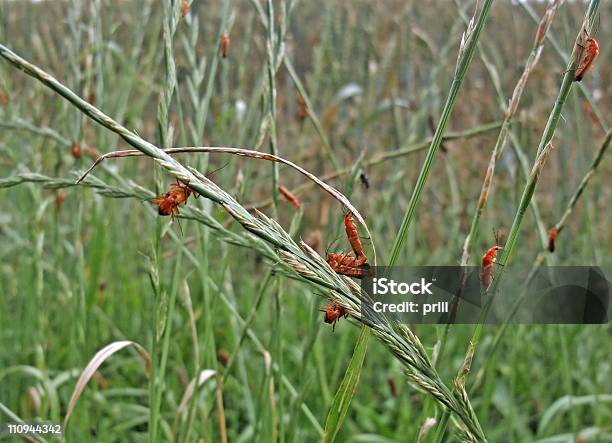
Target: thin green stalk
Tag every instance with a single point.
(275, 45)
(262, 349)
(74, 127)
(509, 112)
(466, 53)
(535, 208)
(272, 55)
(564, 59)
(431, 94)
(186, 298)
(74, 68)
(19, 123)
(435, 144)
(247, 324)
(164, 325)
(155, 381)
(547, 136)
(560, 225)
(491, 292)
(197, 125)
(278, 427)
(170, 19)
(543, 153)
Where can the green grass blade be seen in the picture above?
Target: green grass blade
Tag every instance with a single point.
(346, 391)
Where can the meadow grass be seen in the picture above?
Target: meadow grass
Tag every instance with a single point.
(230, 316)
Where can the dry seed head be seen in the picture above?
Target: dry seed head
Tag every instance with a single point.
(541, 31)
(536, 57)
(462, 44)
(467, 34)
(541, 161)
(484, 195)
(545, 22)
